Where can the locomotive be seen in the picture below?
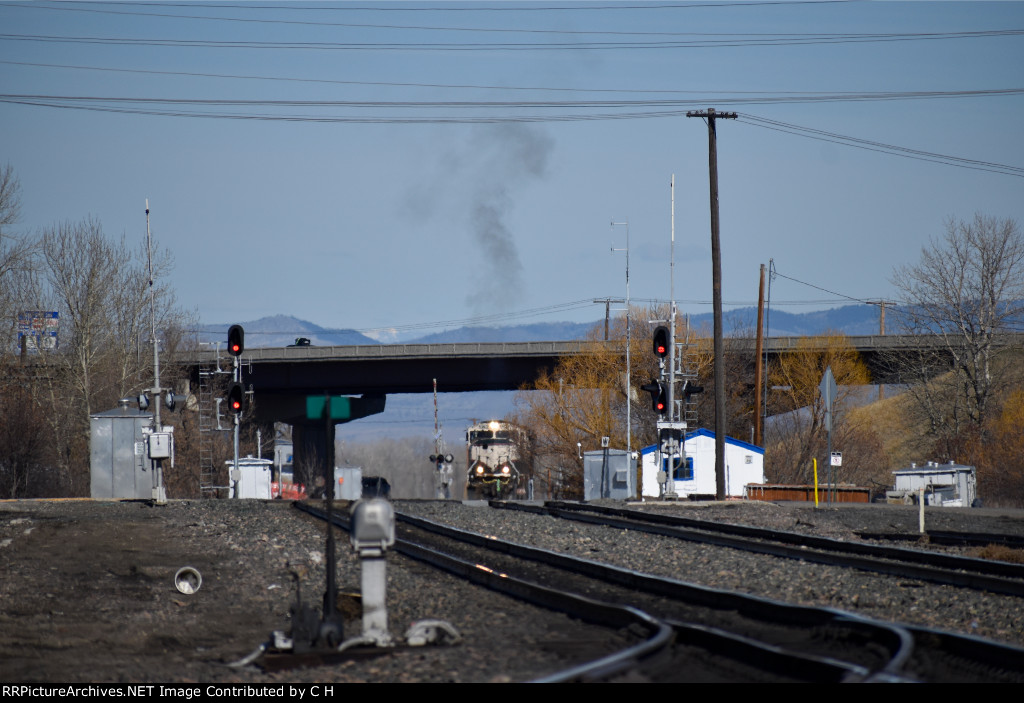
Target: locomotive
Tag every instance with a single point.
(492, 454)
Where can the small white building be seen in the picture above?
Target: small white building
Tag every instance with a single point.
(252, 480)
(744, 464)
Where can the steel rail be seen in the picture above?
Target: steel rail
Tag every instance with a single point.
(894, 639)
(950, 539)
(936, 567)
(659, 635)
(968, 653)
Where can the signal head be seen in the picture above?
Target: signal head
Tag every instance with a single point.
(236, 398)
(661, 342)
(236, 340)
(659, 396)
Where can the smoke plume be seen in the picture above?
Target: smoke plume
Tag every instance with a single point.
(508, 157)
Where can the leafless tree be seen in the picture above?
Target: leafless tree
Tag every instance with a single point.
(967, 288)
(15, 255)
(100, 288)
(10, 197)
(798, 432)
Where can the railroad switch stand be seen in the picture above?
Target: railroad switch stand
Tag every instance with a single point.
(373, 531)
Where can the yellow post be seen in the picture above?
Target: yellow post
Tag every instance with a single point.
(815, 482)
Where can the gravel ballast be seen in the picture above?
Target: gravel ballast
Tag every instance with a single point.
(88, 591)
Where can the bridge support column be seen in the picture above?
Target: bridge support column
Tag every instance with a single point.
(309, 451)
(309, 437)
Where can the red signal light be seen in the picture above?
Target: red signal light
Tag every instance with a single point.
(236, 340)
(236, 398)
(661, 342)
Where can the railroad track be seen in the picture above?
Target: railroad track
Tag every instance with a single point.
(936, 567)
(717, 635)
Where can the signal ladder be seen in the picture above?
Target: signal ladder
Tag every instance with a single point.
(687, 368)
(209, 424)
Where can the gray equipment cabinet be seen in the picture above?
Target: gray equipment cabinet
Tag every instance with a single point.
(118, 463)
(608, 473)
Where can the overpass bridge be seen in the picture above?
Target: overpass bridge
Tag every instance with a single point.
(282, 377)
(380, 369)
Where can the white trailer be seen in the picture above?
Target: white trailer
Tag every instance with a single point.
(744, 464)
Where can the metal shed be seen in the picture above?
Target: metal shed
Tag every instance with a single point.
(608, 473)
(951, 485)
(253, 479)
(118, 465)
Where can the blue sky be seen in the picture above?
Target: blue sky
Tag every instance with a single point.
(381, 224)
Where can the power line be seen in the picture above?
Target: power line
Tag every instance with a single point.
(881, 147)
(518, 9)
(732, 97)
(775, 272)
(83, 7)
(733, 41)
(540, 104)
(166, 107)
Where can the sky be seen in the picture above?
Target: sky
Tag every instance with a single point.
(402, 168)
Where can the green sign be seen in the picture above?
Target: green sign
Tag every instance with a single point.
(341, 407)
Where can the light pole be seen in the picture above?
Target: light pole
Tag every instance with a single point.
(629, 380)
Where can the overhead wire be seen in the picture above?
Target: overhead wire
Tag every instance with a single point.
(891, 149)
(738, 96)
(735, 41)
(907, 308)
(172, 107)
(86, 7)
(466, 7)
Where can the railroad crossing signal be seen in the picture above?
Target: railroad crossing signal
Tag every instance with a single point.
(236, 340)
(236, 398)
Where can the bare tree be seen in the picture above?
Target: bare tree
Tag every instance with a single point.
(967, 288)
(100, 288)
(15, 255)
(798, 432)
(10, 197)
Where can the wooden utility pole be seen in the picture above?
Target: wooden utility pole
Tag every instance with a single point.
(716, 294)
(881, 330)
(607, 311)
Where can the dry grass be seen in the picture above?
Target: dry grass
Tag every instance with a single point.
(998, 552)
(891, 420)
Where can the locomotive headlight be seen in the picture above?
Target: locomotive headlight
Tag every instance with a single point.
(494, 425)
(505, 469)
(479, 470)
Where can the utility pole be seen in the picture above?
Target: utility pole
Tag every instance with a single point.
(759, 368)
(716, 287)
(156, 453)
(608, 311)
(629, 371)
(881, 330)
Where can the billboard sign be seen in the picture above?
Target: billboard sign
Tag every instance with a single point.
(39, 330)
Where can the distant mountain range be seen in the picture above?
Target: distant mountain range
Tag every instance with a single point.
(282, 330)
